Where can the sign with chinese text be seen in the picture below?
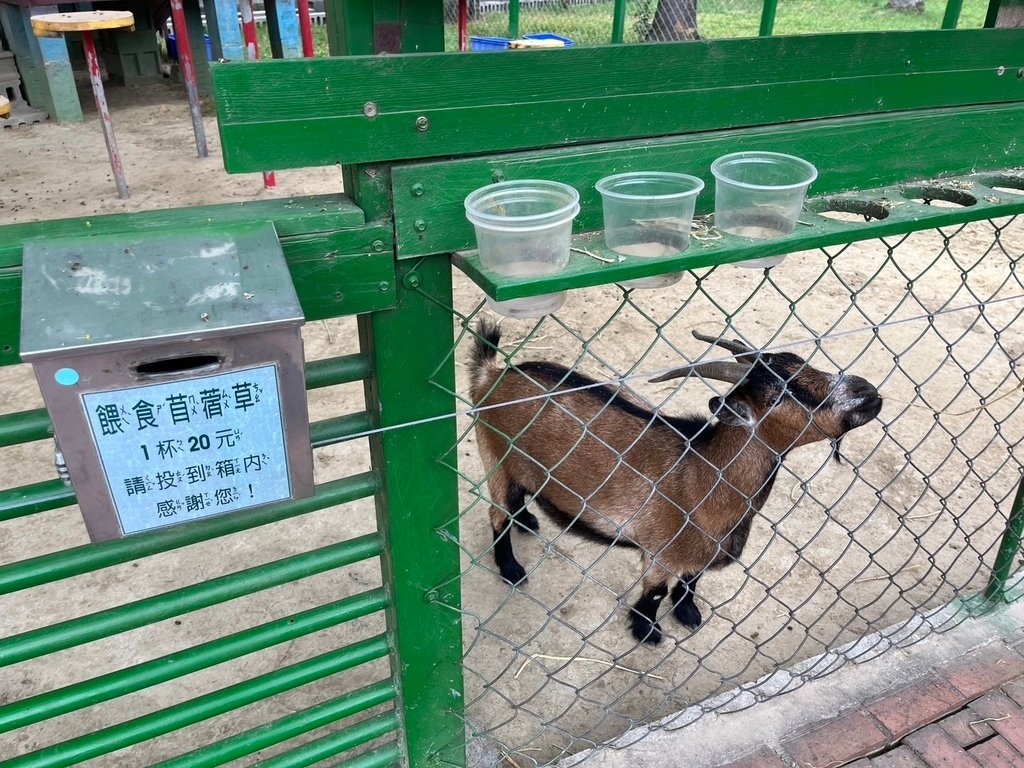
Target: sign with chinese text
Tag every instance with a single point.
(191, 448)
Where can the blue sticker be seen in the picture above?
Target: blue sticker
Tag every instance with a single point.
(68, 377)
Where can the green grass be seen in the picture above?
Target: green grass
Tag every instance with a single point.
(592, 24)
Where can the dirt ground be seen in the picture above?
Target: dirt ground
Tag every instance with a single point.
(908, 520)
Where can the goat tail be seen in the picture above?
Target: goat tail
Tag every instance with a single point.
(484, 355)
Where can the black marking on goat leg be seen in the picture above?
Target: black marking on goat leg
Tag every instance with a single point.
(511, 569)
(683, 607)
(578, 525)
(517, 508)
(643, 617)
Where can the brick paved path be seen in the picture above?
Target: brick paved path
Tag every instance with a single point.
(968, 713)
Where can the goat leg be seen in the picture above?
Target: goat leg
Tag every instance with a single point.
(643, 621)
(683, 607)
(502, 522)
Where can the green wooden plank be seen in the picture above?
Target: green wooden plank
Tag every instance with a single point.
(296, 215)
(814, 231)
(528, 99)
(850, 153)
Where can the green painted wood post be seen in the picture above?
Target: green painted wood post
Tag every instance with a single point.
(410, 348)
(43, 64)
(1009, 548)
(513, 18)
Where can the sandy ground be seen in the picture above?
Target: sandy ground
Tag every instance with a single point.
(908, 520)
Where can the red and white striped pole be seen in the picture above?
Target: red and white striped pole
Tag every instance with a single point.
(101, 107)
(188, 74)
(252, 53)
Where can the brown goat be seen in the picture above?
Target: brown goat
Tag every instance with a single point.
(682, 490)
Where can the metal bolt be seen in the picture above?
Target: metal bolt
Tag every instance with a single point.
(419, 225)
(370, 109)
(412, 280)
(432, 596)
(378, 245)
(1001, 71)
(497, 176)
(384, 286)
(1020, 73)
(422, 124)
(417, 190)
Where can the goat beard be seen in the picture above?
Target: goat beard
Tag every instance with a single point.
(837, 445)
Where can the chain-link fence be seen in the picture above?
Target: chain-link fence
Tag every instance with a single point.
(590, 22)
(908, 519)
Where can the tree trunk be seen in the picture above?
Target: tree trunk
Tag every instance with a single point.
(674, 20)
(1011, 14)
(907, 5)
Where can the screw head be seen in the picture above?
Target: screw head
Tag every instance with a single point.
(497, 176)
(1020, 73)
(1001, 71)
(412, 280)
(417, 190)
(422, 124)
(384, 286)
(370, 109)
(378, 245)
(419, 225)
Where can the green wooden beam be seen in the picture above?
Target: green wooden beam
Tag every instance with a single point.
(850, 153)
(375, 109)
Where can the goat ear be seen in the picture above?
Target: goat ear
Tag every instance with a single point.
(731, 411)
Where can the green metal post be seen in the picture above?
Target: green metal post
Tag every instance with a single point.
(417, 503)
(513, 18)
(953, 8)
(1009, 547)
(618, 21)
(768, 17)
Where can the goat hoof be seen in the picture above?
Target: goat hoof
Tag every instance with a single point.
(688, 615)
(528, 520)
(513, 573)
(645, 630)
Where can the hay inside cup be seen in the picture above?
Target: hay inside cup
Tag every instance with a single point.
(523, 229)
(648, 214)
(760, 195)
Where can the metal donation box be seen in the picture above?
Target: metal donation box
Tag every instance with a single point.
(172, 368)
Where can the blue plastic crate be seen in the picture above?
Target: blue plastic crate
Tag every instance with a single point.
(549, 36)
(172, 48)
(488, 43)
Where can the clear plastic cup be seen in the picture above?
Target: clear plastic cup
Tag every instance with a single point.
(523, 229)
(648, 214)
(760, 195)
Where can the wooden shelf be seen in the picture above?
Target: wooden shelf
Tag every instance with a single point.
(900, 205)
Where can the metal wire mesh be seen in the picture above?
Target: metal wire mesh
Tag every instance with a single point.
(872, 546)
(589, 22)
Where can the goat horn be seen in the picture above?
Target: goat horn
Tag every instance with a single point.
(732, 373)
(735, 346)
